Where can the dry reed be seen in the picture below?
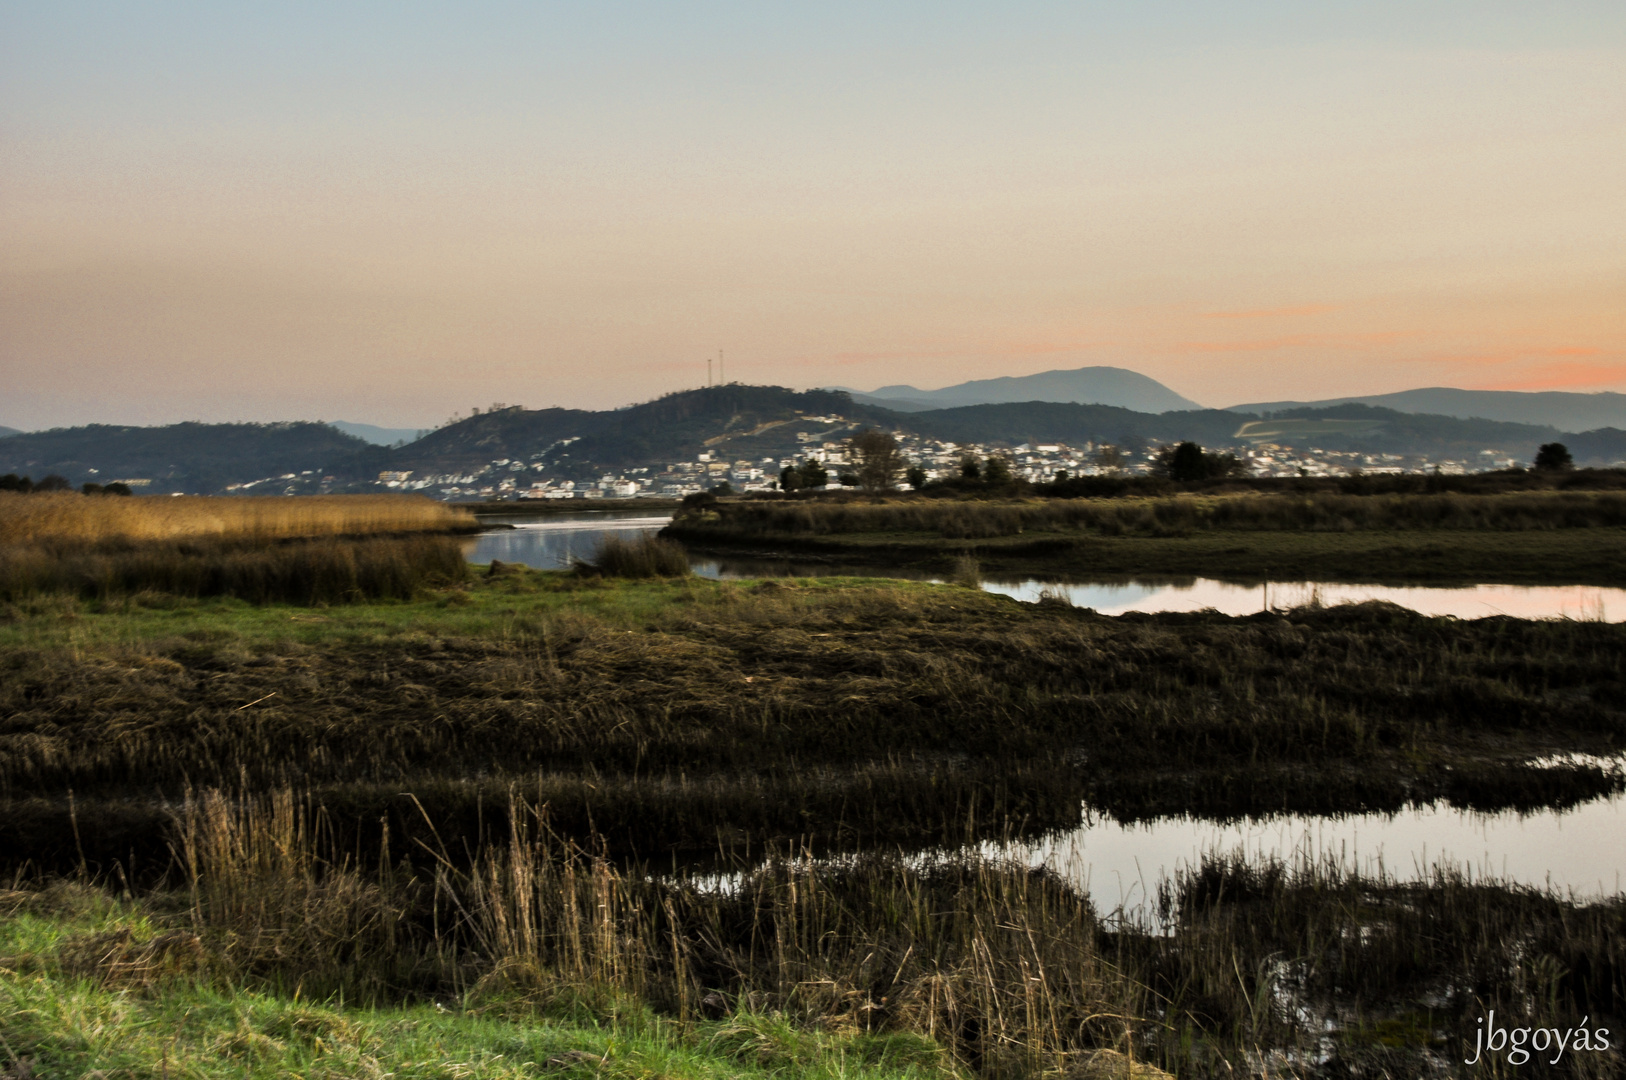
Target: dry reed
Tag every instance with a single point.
(74, 521)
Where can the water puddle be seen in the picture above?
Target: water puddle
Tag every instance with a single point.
(1580, 850)
(1470, 602)
(551, 542)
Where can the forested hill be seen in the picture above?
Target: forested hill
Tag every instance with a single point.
(738, 420)
(188, 457)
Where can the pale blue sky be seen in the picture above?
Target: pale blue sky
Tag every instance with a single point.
(262, 211)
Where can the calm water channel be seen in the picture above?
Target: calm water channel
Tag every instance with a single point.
(551, 542)
(1580, 850)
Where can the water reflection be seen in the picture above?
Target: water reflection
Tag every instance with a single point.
(1580, 850)
(553, 541)
(1470, 602)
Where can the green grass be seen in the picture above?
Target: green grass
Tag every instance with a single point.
(493, 607)
(62, 1018)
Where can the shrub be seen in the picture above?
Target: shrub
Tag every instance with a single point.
(646, 557)
(1554, 457)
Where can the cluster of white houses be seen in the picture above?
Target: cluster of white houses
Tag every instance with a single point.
(506, 478)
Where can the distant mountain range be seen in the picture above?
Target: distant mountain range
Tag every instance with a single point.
(378, 436)
(1548, 408)
(731, 422)
(4, 431)
(1115, 386)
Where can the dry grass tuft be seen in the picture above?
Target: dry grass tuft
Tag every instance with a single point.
(644, 557)
(114, 958)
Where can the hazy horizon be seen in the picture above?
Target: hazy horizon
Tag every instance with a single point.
(388, 214)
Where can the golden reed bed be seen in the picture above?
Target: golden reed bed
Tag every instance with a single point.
(79, 520)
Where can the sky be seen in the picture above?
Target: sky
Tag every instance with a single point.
(391, 213)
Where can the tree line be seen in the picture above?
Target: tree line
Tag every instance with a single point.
(24, 485)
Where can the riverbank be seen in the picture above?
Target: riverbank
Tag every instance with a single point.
(1524, 538)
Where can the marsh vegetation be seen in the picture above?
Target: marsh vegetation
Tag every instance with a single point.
(1563, 536)
(751, 821)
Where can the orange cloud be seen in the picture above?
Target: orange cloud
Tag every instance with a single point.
(1564, 376)
(1270, 313)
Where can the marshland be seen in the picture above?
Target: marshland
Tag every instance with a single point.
(620, 819)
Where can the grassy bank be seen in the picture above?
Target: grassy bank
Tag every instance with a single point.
(93, 984)
(1531, 537)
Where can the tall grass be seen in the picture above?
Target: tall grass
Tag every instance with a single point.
(998, 962)
(70, 520)
(645, 556)
(324, 549)
(970, 519)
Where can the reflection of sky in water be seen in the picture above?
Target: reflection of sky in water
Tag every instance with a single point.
(549, 543)
(1473, 602)
(1581, 850)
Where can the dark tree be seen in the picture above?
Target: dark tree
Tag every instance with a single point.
(790, 479)
(54, 483)
(1187, 463)
(916, 476)
(1184, 463)
(13, 482)
(877, 457)
(116, 488)
(90, 488)
(970, 469)
(813, 473)
(996, 470)
(1554, 456)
